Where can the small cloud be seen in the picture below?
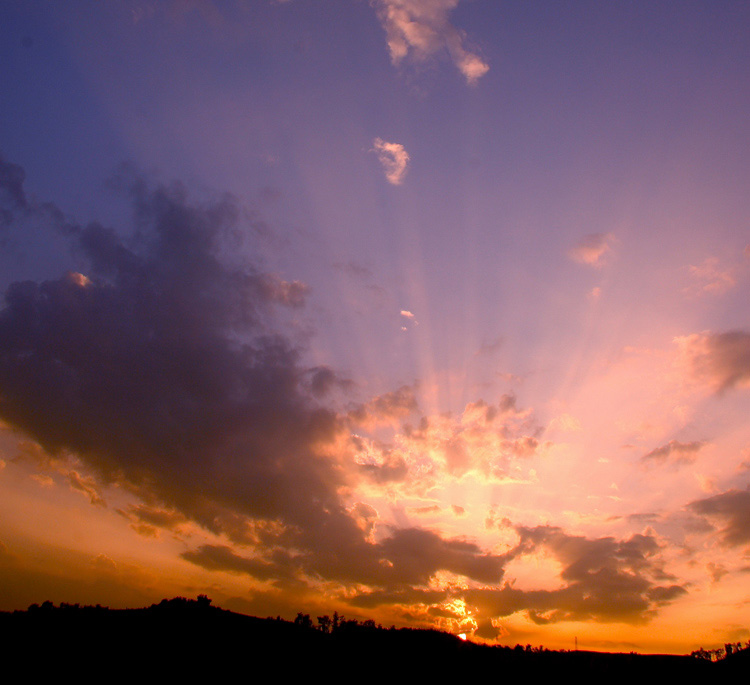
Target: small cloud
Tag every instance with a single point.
(104, 563)
(44, 480)
(674, 452)
(458, 511)
(87, 486)
(490, 347)
(709, 277)
(394, 159)
(420, 29)
(78, 279)
(594, 294)
(407, 314)
(592, 249)
(425, 511)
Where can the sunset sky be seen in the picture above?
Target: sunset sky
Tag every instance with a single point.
(434, 312)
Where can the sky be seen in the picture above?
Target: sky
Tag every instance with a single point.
(433, 312)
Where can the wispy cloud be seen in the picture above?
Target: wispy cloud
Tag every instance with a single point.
(710, 277)
(420, 28)
(394, 159)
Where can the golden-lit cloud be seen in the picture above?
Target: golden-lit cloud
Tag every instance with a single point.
(419, 29)
(394, 158)
(87, 486)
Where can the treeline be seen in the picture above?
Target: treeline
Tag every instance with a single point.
(191, 636)
(720, 653)
(328, 624)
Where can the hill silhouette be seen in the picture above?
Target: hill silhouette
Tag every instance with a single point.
(191, 638)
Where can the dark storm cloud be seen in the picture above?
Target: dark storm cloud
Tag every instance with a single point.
(159, 365)
(605, 580)
(417, 554)
(731, 508)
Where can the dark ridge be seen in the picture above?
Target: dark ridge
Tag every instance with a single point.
(191, 638)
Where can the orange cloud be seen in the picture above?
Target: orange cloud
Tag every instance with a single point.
(394, 158)
(420, 29)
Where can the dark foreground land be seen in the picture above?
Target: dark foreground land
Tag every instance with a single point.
(188, 638)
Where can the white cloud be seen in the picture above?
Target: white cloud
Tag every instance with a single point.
(420, 28)
(394, 159)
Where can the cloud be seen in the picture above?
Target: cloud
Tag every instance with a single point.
(674, 452)
(420, 28)
(157, 360)
(160, 365)
(222, 558)
(592, 249)
(162, 370)
(147, 519)
(486, 440)
(423, 511)
(731, 508)
(12, 194)
(603, 579)
(387, 409)
(87, 486)
(394, 159)
(721, 360)
(710, 278)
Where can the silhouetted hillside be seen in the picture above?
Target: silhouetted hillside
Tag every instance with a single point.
(181, 637)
